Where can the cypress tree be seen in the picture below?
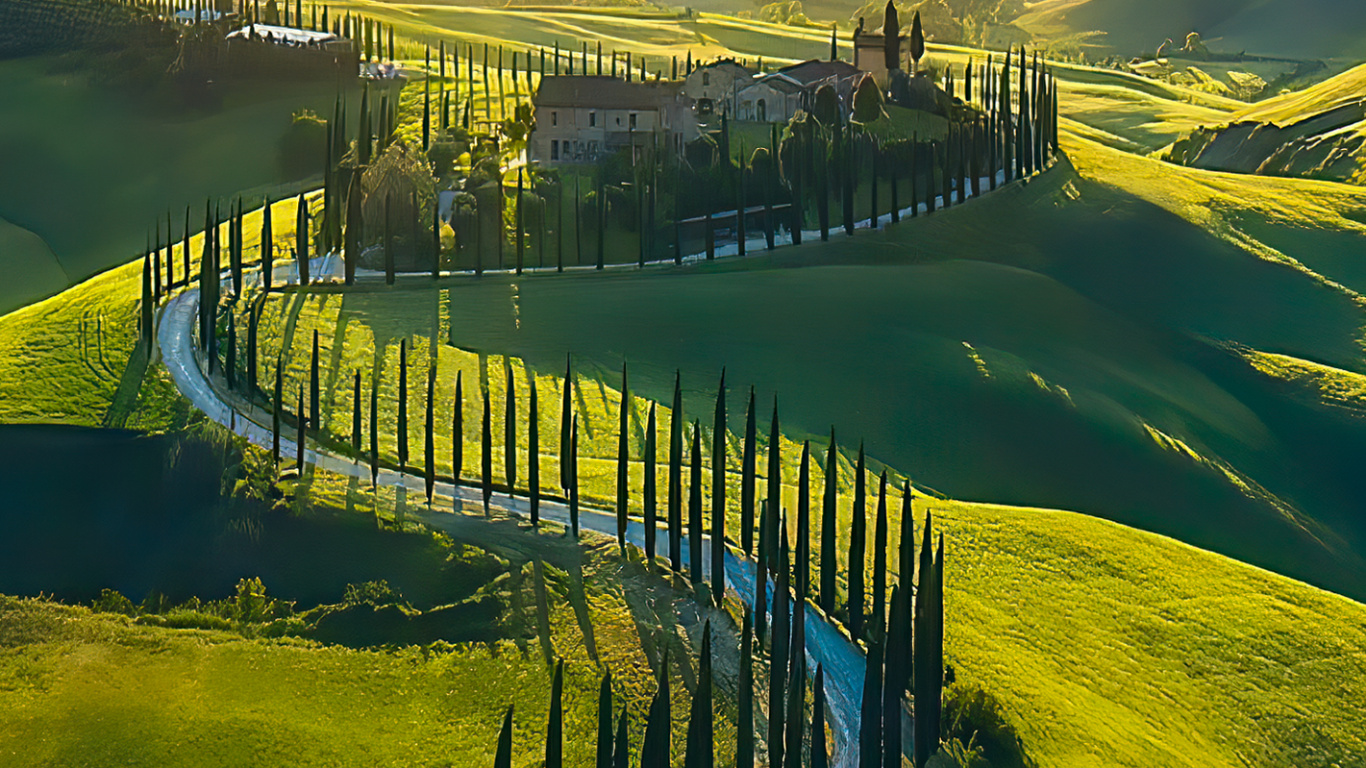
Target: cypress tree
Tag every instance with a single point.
(649, 500)
(926, 686)
(796, 706)
(802, 554)
(388, 240)
(355, 415)
(936, 664)
(880, 559)
(278, 402)
(301, 240)
(429, 438)
(402, 405)
(533, 449)
(521, 229)
(747, 470)
(819, 757)
(267, 248)
(623, 459)
(870, 713)
(554, 728)
(894, 654)
(702, 708)
(604, 753)
(313, 387)
(185, 245)
(486, 458)
(775, 484)
(718, 494)
(777, 668)
(857, 543)
(458, 429)
(230, 363)
(695, 507)
(355, 222)
(145, 327)
(510, 426)
(574, 476)
(744, 743)
(676, 475)
(621, 755)
(253, 319)
(566, 395)
(299, 445)
(906, 542)
(426, 113)
(655, 749)
(374, 428)
(829, 557)
(503, 757)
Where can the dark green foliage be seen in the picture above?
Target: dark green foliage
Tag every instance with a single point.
(775, 485)
(744, 727)
(695, 506)
(819, 757)
(503, 756)
(623, 458)
(867, 100)
(621, 753)
(355, 415)
(566, 411)
(880, 560)
(895, 673)
(796, 706)
(870, 713)
(313, 387)
(857, 543)
(701, 752)
(374, 428)
(354, 229)
(574, 477)
(777, 671)
(486, 458)
(761, 574)
(917, 39)
(230, 361)
(604, 752)
(718, 494)
(676, 475)
(429, 437)
(253, 320)
(278, 402)
(145, 326)
(458, 429)
(747, 480)
(802, 554)
(402, 405)
(554, 728)
(649, 490)
(655, 749)
(510, 426)
(301, 437)
(829, 556)
(534, 450)
(928, 679)
(301, 240)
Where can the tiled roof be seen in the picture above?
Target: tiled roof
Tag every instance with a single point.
(816, 70)
(602, 92)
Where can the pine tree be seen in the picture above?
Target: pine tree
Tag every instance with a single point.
(403, 405)
(502, 758)
(566, 411)
(829, 558)
(374, 428)
(695, 507)
(355, 416)
(649, 489)
(486, 459)
(554, 729)
(533, 450)
(458, 430)
(604, 753)
(510, 426)
(718, 494)
(676, 475)
(429, 437)
(880, 559)
(313, 387)
(857, 543)
(744, 727)
(623, 459)
(747, 480)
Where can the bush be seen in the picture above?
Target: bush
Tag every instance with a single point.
(112, 601)
(302, 148)
(975, 724)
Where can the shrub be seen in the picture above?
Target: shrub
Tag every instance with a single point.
(113, 601)
(975, 724)
(301, 148)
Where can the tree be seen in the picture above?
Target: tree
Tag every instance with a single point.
(819, 757)
(796, 706)
(510, 425)
(676, 475)
(649, 490)
(778, 647)
(354, 229)
(533, 450)
(802, 555)
(917, 41)
(299, 444)
(827, 107)
(554, 728)
(486, 459)
(829, 558)
(880, 558)
(278, 401)
(857, 543)
(695, 507)
(700, 748)
(718, 494)
(301, 240)
(927, 678)
(253, 318)
(747, 479)
(502, 758)
(355, 415)
(894, 654)
(604, 753)
(574, 477)
(146, 303)
(458, 429)
(521, 229)
(744, 744)
(313, 387)
(655, 749)
(834, 43)
(429, 438)
(566, 411)
(230, 361)
(775, 483)
(403, 405)
(623, 459)
(870, 714)
(374, 428)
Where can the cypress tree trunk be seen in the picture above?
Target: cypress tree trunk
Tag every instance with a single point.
(695, 507)
(744, 728)
(829, 557)
(355, 416)
(819, 757)
(870, 714)
(718, 494)
(374, 429)
(747, 479)
(604, 753)
(554, 728)
(458, 430)
(774, 499)
(676, 475)
(623, 459)
(649, 500)
(574, 477)
(777, 668)
(880, 560)
(313, 405)
(533, 450)
(566, 395)
(502, 758)
(510, 426)
(486, 458)
(429, 437)
(802, 555)
(857, 545)
(277, 403)
(403, 405)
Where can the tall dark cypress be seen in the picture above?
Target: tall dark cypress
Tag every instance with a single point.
(403, 405)
(655, 749)
(374, 428)
(926, 684)
(355, 416)
(858, 536)
(388, 240)
(604, 752)
(566, 410)
(718, 494)
(429, 437)
(870, 713)
(880, 559)
(230, 357)
(761, 574)
(621, 753)
(777, 672)
(695, 507)
(676, 475)
(623, 458)
(829, 556)
(802, 554)
(894, 654)
(253, 321)
(458, 429)
(747, 480)
(796, 706)
(502, 758)
(936, 663)
(510, 426)
(315, 415)
(819, 757)
(301, 240)
(649, 486)
(301, 438)
(533, 450)
(278, 404)
(574, 476)
(701, 748)
(554, 727)
(486, 458)
(744, 727)
(775, 483)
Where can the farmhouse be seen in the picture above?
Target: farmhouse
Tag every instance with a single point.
(581, 118)
(772, 99)
(715, 87)
(878, 53)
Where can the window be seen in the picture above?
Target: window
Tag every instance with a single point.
(554, 118)
(633, 120)
(706, 78)
(592, 119)
(554, 149)
(762, 111)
